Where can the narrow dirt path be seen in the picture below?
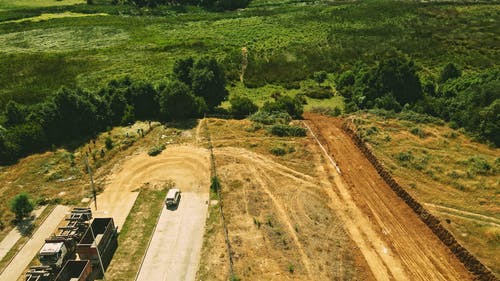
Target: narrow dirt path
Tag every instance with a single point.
(464, 214)
(28, 252)
(395, 242)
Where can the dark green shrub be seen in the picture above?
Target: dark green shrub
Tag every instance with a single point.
(242, 106)
(156, 150)
(108, 142)
(405, 156)
(319, 92)
(21, 206)
(278, 151)
(215, 184)
(269, 118)
(418, 132)
(287, 131)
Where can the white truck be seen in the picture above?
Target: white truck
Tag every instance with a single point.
(173, 197)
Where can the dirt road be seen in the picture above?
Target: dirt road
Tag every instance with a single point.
(393, 240)
(175, 247)
(28, 252)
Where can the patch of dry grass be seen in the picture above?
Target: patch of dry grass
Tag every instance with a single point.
(458, 179)
(254, 137)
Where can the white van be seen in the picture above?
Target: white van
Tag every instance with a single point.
(173, 196)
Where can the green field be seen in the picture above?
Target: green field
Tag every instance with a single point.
(17, 4)
(286, 40)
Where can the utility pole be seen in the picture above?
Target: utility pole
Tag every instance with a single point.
(91, 181)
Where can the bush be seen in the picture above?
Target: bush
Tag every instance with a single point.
(287, 131)
(108, 142)
(318, 92)
(292, 106)
(269, 118)
(215, 184)
(418, 132)
(320, 76)
(242, 106)
(278, 151)
(156, 150)
(479, 166)
(327, 111)
(21, 206)
(405, 156)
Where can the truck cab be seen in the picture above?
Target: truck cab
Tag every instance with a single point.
(53, 254)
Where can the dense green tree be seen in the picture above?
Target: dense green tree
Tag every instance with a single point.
(450, 71)
(242, 106)
(489, 125)
(208, 81)
(396, 76)
(177, 102)
(292, 106)
(75, 115)
(117, 105)
(128, 117)
(319, 77)
(182, 70)
(143, 97)
(27, 137)
(346, 79)
(15, 114)
(21, 206)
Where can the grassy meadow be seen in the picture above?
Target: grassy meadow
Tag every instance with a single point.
(45, 46)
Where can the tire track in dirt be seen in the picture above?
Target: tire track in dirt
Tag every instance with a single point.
(120, 192)
(464, 214)
(410, 243)
(264, 172)
(261, 180)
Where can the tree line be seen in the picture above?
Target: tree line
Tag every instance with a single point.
(208, 4)
(76, 114)
(71, 115)
(469, 101)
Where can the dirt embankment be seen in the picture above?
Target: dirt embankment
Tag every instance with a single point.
(470, 262)
(410, 243)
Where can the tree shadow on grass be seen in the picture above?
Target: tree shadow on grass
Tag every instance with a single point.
(26, 226)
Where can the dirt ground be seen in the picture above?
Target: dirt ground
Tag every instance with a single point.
(174, 251)
(395, 243)
(280, 220)
(294, 217)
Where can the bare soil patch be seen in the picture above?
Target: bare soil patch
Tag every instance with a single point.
(280, 220)
(406, 239)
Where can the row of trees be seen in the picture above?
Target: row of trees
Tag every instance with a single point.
(75, 114)
(211, 4)
(471, 102)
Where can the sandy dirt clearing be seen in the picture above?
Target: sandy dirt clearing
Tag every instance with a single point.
(175, 247)
(28, 252)
(395, 242)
